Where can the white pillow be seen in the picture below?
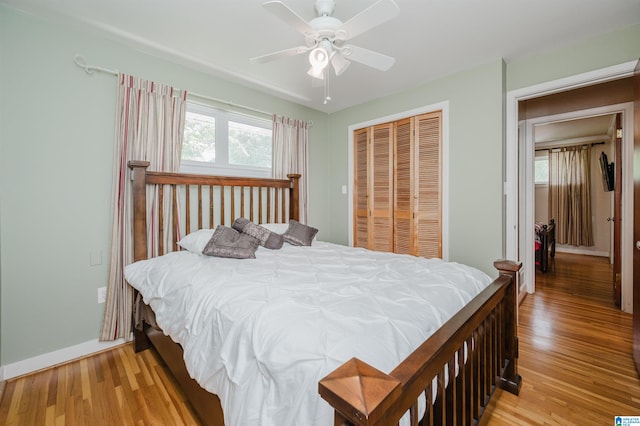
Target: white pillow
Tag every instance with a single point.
(278, 228)
(196, 241)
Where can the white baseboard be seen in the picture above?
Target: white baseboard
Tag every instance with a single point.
(566, 249)
(50, 359)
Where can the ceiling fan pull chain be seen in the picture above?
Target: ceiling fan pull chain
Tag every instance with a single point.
(327, 97)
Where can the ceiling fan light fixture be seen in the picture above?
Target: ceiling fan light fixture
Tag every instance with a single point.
(316, 72)
(339, 63)
(319, 58)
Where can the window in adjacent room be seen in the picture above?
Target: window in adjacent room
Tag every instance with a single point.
(225, 143)
(541, 171)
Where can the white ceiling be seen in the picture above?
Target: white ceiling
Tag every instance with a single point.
(575, 132)
(429, 39)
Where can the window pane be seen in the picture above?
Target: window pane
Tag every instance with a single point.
(199, 138)
(542, 170)
(249, 145)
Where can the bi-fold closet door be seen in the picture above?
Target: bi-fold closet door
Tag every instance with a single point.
(397, 196)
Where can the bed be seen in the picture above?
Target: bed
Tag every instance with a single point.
(443, 373)
(545, 244)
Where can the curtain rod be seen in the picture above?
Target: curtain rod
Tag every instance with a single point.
(560, 147)
(89, 69)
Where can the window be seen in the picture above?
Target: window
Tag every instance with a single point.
(541, 172)
(225, 143)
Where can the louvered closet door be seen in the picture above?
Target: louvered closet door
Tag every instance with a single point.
(428, 185)
(381, 189)
(361, 189)
(403, 187)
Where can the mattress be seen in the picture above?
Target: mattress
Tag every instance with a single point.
(260, 333)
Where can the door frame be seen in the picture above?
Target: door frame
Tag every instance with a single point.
(519, 207)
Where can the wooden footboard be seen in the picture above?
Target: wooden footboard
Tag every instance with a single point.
(456, 370)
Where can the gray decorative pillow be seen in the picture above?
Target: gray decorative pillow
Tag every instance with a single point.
(266, 238)
(227, 242)
(299, 234)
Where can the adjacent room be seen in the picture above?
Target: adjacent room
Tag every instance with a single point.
(299, 212)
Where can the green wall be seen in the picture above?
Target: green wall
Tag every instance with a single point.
(477, 136)
(591, 54)
(475, 152)
(56, 137)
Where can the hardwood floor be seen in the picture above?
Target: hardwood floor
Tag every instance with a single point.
(575, 362)
(115, 387)
(575, 351)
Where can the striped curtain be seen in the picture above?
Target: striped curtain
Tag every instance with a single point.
(149, 127)
(570, 195)
(290, 143)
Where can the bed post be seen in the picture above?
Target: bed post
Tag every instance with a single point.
(139, 170)
(139, 189)
(511, 381)
(294, 196)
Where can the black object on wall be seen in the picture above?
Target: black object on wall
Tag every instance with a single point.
(608, 179)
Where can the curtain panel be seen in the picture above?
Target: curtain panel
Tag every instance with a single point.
(570, 195)
(290, 144)
(149, 127)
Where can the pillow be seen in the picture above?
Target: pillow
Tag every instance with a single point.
(227, 242)
(539, 226)
(278, 228)
(195, 242)
(266, 238)
(299, 234)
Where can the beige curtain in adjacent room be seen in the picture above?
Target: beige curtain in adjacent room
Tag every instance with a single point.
(570, 195)
(290, 143)
(149, 127)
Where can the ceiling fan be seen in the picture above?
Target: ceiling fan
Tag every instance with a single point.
(325, 36)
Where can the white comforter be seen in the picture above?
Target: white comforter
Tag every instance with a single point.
(260, 333)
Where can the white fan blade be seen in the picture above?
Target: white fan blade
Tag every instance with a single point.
(368, 57)
(283, 12)
(281, 54)
(372, 16)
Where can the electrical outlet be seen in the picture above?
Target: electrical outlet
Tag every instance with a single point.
(102, 294)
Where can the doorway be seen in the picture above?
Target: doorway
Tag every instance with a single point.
(551, 133)
(596, 134)
(519, 187)
(528, 152)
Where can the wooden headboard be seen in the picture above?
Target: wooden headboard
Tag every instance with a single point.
(207, 201)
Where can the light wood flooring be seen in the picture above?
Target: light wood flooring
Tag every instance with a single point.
(575, 351)
(115, 387)
(575, 362)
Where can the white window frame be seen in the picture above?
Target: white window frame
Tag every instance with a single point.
(221, 166)
(540, 158)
